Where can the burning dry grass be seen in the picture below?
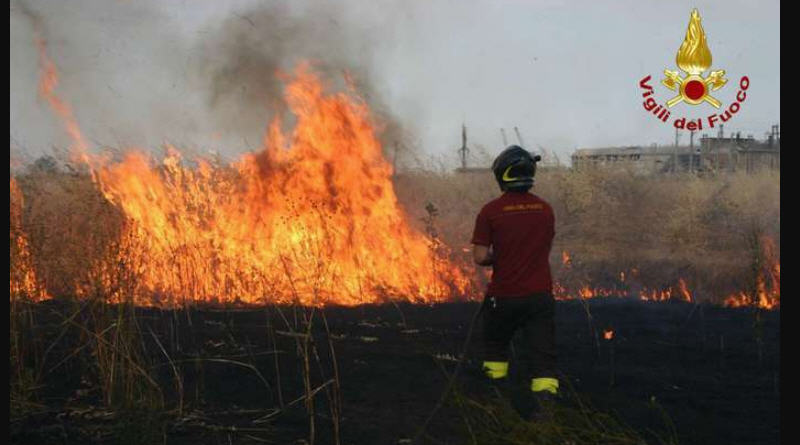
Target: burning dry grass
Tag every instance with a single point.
(315, 217)
(312, 218)
(179, 233)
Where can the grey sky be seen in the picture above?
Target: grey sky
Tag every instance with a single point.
(564, 72)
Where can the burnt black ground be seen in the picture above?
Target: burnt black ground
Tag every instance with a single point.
(700, 363)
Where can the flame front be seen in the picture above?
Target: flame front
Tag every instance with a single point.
(312, 218)
(23, 279)
(768, 283)
(767, 289)
(694, 57)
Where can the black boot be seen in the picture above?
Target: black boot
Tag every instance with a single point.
(545, 402)
(523, 400)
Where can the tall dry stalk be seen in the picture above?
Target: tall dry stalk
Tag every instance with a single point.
(757, 261)
(592, 328)
(320, 279)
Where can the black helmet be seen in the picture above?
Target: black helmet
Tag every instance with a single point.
(514, 168)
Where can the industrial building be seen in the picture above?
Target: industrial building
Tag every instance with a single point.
(709, 154)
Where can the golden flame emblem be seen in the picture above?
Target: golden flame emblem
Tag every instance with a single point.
(694, 58)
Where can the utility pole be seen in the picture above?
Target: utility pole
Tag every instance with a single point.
(777, 138)
(675, 153)
(691, 151)
(464, 150)
(505, 140)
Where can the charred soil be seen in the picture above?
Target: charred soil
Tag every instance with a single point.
(239, 375)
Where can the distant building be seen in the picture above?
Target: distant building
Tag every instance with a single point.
(741, 154)
(708, 154)
(640, 159)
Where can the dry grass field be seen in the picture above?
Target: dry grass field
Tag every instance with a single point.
(708, 231)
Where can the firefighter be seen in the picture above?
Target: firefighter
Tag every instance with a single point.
(513, 234)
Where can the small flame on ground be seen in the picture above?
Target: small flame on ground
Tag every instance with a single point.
(767, 287)
(608, 334)
(768, 282)
(684, 291)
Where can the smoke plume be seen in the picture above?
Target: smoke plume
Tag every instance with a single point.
(142, 73)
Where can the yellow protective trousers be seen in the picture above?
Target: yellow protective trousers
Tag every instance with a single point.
(495, 370)
(544, 384)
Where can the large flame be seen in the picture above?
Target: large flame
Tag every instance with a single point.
(48, 81)
(694, 57)
(312, 218)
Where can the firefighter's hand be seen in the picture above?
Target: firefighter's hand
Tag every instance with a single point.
(482, 255)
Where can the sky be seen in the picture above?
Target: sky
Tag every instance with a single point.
(198, 73)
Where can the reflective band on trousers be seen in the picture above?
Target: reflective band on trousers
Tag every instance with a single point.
(544, 384)
(496, 370)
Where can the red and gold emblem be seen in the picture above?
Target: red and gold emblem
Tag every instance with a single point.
(694, 58)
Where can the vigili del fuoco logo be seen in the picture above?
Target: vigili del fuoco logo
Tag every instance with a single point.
(691, 87)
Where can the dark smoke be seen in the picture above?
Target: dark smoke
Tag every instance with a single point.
(242, 55)
(136, 78)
